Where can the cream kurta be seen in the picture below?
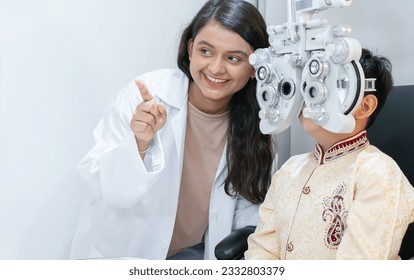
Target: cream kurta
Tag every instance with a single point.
(353, 202)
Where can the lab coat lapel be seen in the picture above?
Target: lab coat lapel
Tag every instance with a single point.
(179, 125)
(222, 207)
(222, 165)
(176, 96)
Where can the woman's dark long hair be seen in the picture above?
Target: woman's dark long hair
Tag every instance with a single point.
(249, 152)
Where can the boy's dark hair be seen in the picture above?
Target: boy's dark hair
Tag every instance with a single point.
(380, 68)
(249, 152)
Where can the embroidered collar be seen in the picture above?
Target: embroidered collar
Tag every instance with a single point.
(342, 148)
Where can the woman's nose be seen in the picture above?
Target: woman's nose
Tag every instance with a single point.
(216, 66)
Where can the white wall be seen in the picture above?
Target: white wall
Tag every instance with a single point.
(384, 26)
(61, 62)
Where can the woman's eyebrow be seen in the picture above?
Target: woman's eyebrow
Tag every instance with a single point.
(205, 43)
(240, 52)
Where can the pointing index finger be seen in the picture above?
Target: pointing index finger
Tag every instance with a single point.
(146, 95)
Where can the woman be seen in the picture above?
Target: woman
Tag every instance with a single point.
(179, 157)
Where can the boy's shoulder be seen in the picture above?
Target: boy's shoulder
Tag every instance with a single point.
(298, 161)
(371, 152)
(372, 159)
(301, 157)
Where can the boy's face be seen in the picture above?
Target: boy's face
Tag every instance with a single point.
(326, 138)
(323, 137)
(312, 129)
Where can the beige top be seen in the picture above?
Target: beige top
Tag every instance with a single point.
(205, 138)
(351, 202)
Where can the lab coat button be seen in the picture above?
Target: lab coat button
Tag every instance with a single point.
(306, 190)
(164, 244)
(289, 247)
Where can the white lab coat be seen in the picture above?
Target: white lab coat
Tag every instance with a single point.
(131, 207)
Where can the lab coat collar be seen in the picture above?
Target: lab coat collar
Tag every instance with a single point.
(174, 88)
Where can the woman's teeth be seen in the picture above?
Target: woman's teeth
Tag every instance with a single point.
(215, 80)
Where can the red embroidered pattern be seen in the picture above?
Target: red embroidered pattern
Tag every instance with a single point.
(335, 209)
(341, 148)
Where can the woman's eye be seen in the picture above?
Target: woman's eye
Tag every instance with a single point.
(234, 59)
(205, 51)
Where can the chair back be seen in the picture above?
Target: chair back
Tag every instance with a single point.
(393, 133)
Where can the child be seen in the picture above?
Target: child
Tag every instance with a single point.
(345, 200)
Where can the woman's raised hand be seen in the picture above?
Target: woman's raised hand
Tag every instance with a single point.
(148, 118)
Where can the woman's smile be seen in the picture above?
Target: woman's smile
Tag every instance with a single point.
(215, 82)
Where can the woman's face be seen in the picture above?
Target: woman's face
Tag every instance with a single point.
(219, 62)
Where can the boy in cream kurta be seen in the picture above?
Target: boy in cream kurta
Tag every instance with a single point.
(345, 200)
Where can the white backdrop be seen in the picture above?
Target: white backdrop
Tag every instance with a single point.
(61, 62)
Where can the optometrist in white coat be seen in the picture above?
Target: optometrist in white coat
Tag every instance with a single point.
(131, 209)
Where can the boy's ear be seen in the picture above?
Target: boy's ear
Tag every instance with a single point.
(367, 107)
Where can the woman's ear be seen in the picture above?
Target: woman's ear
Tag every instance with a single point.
(367, 107)
(190, 45)
(253, 74)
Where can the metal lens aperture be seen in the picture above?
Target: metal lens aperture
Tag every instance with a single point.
(287, 88)
(263, 73)
(315, 92)
(318, 67)
(314, 67)
(267, 97)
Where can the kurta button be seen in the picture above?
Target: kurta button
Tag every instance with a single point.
(289, 247)
(306, 190)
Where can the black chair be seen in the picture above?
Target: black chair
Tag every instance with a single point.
(195, 252)
(393, 133)
(232, 247)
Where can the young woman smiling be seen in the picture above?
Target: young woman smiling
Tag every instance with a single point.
(179, 158)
